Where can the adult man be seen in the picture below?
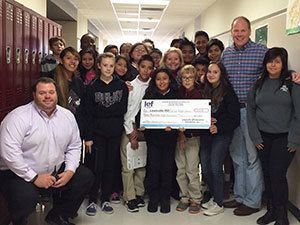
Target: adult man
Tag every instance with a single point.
(40, 150)
(243, 61)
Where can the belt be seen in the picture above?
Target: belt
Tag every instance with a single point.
(242, 105)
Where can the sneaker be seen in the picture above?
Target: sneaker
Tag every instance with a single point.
(132, 206)
(91, 210)
(107, 208)
(115, 198)
(194, 208)
(213, 210)
(206, 205)
(140, 201)
(182, 206)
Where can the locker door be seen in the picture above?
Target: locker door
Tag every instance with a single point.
(2, 61)
(33, 58)
(40, 42)
(50, 30)
(46, 37)
(17, 54)
(8, 81)
(26, 55)
(59, 31)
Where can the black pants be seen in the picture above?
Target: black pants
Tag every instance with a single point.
(22, 196)
(275, 161)
(105, 153)
(160, 163)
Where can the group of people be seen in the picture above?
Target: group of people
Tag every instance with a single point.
(95, 99)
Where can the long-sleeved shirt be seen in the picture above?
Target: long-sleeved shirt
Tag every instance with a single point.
(134, 103)
(243, 66)
(273, 109)
(33, 143)
(106, 104)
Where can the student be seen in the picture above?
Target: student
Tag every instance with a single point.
(87, 64)
(214, 49)
(49, 63)
(188, 50)
(175, 42)
(187, 150)
(111, 48)
(149, 44)
(121, 68)
(70, 88)
(161, 144)
(88, 41)
(133, 180)
(201, 39)
(225, 112)
(125, 49)
(156, 55)
(201, 65)
(272, 114)
(135, 54)
(173, 60)
(106, 105)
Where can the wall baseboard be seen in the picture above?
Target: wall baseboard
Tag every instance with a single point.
(294, 210)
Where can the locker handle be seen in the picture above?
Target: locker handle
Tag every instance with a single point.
(26, 56)
(8, 54)
(33, 56)
(40, 57)
(18, 55)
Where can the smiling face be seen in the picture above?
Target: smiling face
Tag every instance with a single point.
(188, 80)
(240, 32)
(106, 66)
(200, 42)
(57, 48)
(188, 54)
(87, 61)
(274, 67)
(70, 62)
(214, 75)
(173, 61)
(162, 82)
(138, 52)
(214, 53)
(45, 97)
(201, 70)
(145, 69)
(121, 67)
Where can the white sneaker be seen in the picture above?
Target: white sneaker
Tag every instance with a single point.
(206, 205)
(213, 210)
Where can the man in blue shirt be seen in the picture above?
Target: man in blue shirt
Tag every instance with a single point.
(243, 61)
(40, 149)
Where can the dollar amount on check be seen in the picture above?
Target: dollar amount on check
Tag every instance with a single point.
(184, 113)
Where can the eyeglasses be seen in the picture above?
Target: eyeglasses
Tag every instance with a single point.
(187, 78)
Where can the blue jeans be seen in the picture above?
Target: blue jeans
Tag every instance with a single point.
(213, 150)
(248, 185)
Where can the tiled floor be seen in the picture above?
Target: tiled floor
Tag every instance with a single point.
(122, 217)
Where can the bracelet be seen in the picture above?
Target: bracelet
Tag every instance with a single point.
(34, 179)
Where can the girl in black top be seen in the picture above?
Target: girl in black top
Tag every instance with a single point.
(161, 145)
(225, 112)
(107, 98)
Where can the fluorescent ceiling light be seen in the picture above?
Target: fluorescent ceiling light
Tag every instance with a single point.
(136, 30)
(144, 2)
(141, 20)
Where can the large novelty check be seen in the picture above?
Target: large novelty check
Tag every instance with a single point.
(184, 113)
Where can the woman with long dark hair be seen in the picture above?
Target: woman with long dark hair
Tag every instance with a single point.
(225, 113)
(273, 121)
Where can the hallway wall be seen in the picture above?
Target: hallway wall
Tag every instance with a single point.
(216, 20)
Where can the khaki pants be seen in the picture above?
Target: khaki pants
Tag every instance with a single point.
(187, 162)
(133, 180)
